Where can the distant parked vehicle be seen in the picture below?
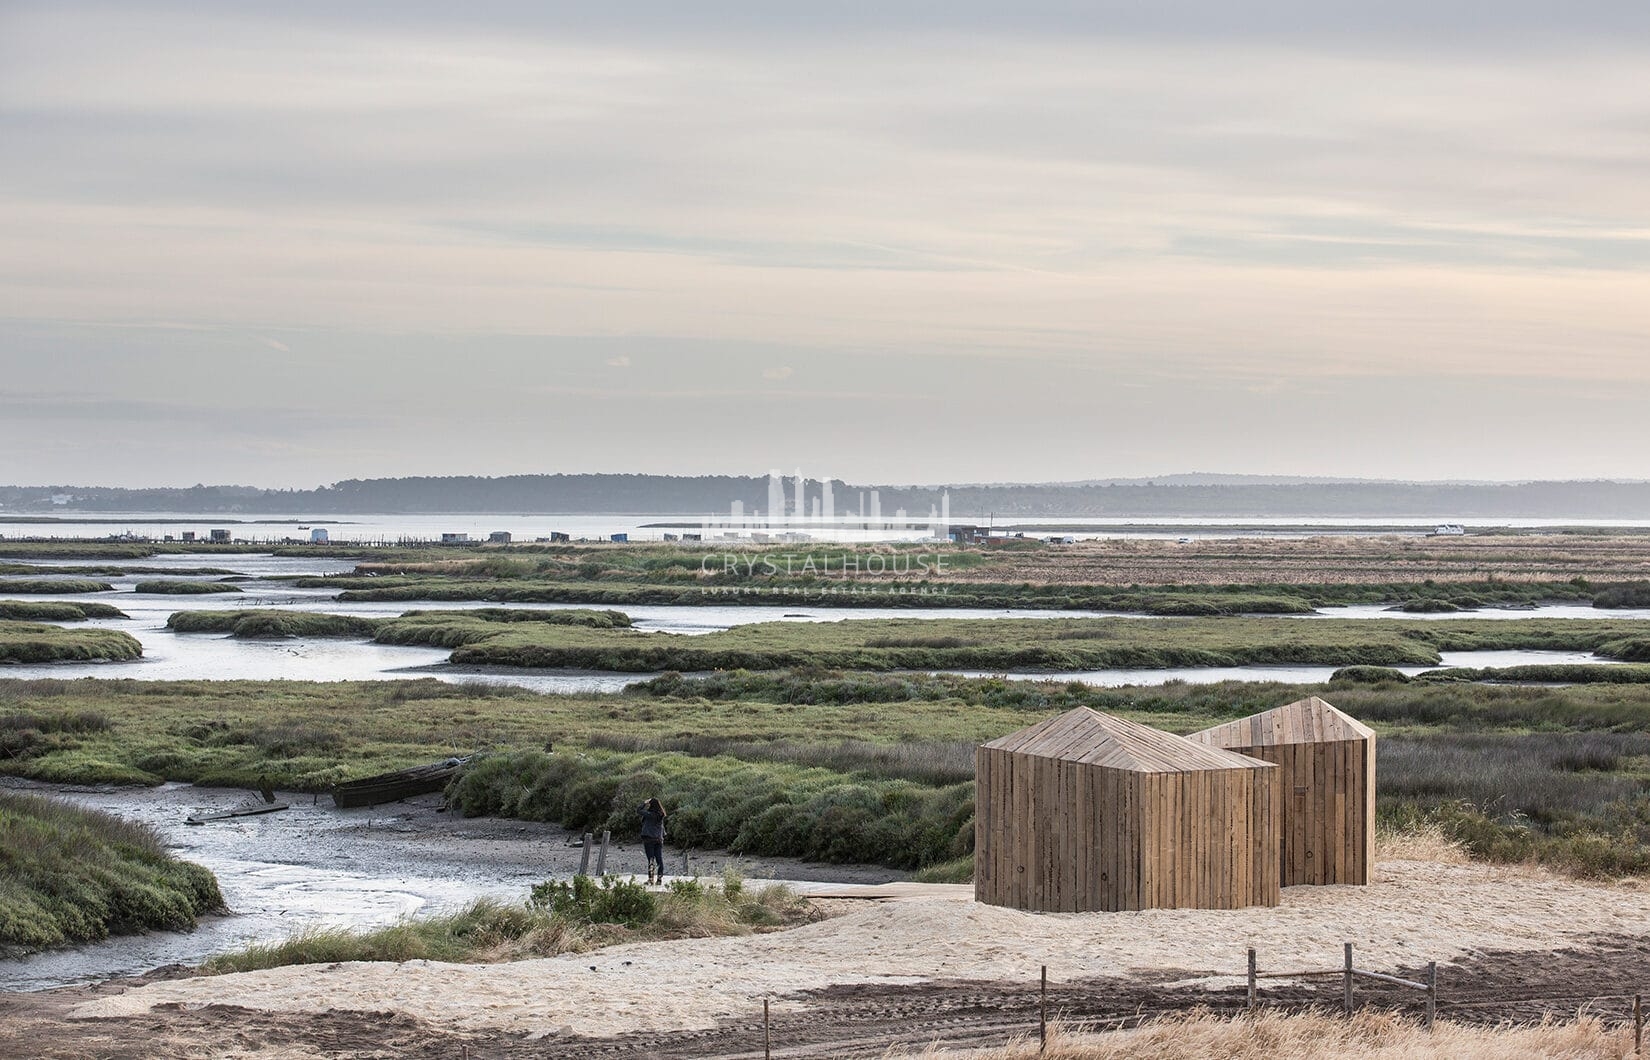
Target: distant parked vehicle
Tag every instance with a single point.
(1448, 530)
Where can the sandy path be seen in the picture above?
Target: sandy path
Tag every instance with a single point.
(1419, 911)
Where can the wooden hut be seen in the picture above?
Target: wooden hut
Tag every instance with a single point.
(1326, 763)
(1087, 812)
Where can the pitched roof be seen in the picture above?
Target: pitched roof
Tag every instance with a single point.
(1308, 720)
(1093, 738)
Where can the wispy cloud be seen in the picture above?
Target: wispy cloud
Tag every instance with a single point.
(1055, 206)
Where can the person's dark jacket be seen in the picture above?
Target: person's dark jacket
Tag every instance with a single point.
(653, 823)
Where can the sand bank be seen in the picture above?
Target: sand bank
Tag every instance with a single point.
(1418, 911)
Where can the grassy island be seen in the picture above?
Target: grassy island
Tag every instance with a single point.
(55, 611)
(29, 642)
(72, 875)
(52, 586)
(173, 587)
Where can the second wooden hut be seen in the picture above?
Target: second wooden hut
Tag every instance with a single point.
(1326, 764)
(1087, 812)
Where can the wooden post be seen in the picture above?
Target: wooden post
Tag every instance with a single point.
(1638, 1024)
(1251, 1005)
(1042, 1034)
(601, 858)
(1432, 993)
(584, 855)
(1346, 982)
(767, 1049)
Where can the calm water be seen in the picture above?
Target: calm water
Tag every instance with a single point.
(526, 528)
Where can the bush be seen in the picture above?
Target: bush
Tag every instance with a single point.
(609, 900)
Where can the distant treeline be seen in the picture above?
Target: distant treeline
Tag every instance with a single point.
(651, 494)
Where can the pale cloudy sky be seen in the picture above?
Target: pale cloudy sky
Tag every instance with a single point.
(287, 243)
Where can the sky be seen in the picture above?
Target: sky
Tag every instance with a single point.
(283, 244)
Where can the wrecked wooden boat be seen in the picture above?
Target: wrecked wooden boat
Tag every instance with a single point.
(393, 787)
(252, 810)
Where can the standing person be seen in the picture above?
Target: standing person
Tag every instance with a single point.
(653, 839)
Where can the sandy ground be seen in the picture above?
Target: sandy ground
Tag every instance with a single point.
(1418, 911)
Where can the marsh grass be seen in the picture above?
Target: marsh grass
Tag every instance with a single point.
(947, 762)
(74, 875)
(840, 766)
(1540, 778)
(447, 629)
(769, 808)
(881, 645)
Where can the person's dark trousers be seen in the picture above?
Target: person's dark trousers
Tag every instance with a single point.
(655, 851)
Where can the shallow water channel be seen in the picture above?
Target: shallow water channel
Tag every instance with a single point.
(316, 866)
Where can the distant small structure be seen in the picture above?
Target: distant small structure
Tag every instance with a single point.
(220, 537)
(499, 537)
(620, 538)
(557, 537)
(318, 536)
(693, 537)
(967, 534)
(189, 535)
(671, 537)
(1326, 763)
(1089, 812)
(455, 539)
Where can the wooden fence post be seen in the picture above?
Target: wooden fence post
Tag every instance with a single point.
(601, 858)
(1346, 982)
(1042, 1034)
(767, 1049)
(584, 855)
(1432, 993)
(1638, 1024)
(1251, 1005)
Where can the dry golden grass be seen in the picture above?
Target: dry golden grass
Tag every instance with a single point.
(1425, 842)
(1273, 1036)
